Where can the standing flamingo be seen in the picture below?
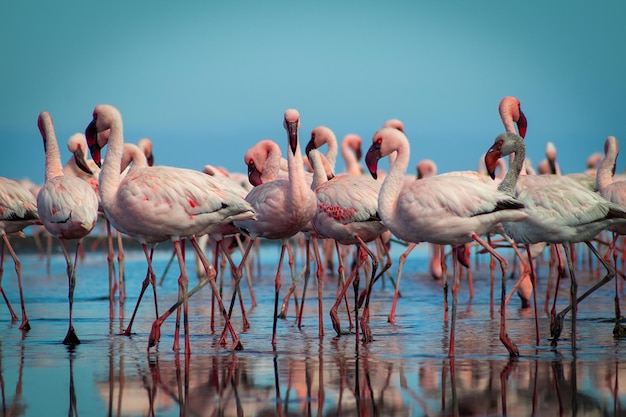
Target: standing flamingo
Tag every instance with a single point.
(559, 211)
(283, 207)
(614, 191)
(159, 203)
(351, 153)
(68, 208)
(347, 208)
(18, 209)
(443, 209)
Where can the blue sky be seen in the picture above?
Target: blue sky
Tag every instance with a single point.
(206, 80)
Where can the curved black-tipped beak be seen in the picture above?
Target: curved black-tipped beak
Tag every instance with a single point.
(310, 146)
(358, 153)
(491, 159)
(292, 133)
(254, 175)
(79, 158)
(371, 159)
(522, 124)
(150, 159)
(91, 133)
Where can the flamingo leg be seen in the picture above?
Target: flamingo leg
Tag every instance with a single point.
(320, 285)
(557, 326)
(144, 285)
(5, 242)
(504, 337)
(70, 338)
(112, 278)
(392, 314)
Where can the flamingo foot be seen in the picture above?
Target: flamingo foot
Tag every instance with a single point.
(70, 338)
(365, 326)
(556, 328)
(619, 331)
(510, 345)
(155, 334)
(25, 325)
(334, 317)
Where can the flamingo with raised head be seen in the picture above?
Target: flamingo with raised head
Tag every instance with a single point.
(614, 191)
(18, 210)
(159, 203)
(351, 153)
(443, 209)
(559, 211)
(68, 208)
(347, 208)
(283, 207)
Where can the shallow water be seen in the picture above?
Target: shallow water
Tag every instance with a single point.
(405, 371)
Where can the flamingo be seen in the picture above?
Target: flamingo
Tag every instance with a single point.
(159, 203)
(559, 211)
(347, 213)
(283, 207)
(68, 208)
(443, 209)
(78, 165)
(614, 191)
(18, 210)
(351, 153)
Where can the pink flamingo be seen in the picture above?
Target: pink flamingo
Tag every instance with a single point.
(159, 203)
(614, 191)
(443, 209)
(18, 209)
(68, 208)
(559, 211)
(347, 213)
(283, 207)
(351, 153)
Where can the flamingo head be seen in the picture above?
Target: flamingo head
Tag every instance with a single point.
(292, 124)
(373, 155)
(511, 110)
(254, 175)
(43, 120)
(504, 145)
(91, 133)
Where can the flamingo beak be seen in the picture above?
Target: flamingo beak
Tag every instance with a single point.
(310, 146)
(254, 175)
(91, 133)
(371, 159)
(358, 153)
(491, 159)
(150, 159)
(292, 133)
(79, 158)
(522, 124)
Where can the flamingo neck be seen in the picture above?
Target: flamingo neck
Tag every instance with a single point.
(272, 165)
(320, 168)
(54, 166)
(604, 175)
(392, 185)
(110, 175)
(352, 165)
(515, 168)
(297, 183)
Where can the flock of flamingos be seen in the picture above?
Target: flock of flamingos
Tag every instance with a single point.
(297, 196)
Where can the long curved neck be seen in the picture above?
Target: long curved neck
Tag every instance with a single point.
(332, 151)
(604, 175)
(352, 165)
(272, 165)
(392, 184)
(297, 184)
(510, 179)
(321, 169)
(110, 175)
(54, 166)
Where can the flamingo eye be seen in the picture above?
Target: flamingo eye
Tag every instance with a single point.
(379, 140)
